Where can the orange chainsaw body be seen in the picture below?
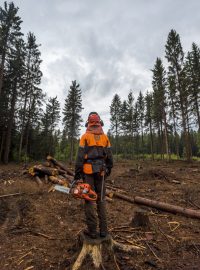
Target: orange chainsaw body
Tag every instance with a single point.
(84, 191)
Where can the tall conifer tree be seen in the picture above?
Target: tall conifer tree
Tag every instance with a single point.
(72, 114)
(115, 112)
(175, 57)
(160, 102)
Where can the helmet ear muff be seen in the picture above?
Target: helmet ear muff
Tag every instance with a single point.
(102, 123)
(86, 124)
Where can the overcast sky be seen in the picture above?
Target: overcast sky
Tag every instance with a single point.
(107, 46)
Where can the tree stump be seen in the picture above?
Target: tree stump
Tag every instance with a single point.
(140, 219)
(97, 248)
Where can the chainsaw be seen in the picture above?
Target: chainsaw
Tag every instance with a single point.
(79, 191)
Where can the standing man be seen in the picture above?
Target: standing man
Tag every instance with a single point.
(93, 164)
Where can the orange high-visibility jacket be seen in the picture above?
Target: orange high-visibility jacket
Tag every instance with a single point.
(94, 152)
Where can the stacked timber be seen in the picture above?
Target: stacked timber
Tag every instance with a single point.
(53, 171)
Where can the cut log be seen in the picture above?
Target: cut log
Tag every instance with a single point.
(46, 164)
(108, 199)
(169, 207)
(109, 193)
(68, 177)
(38, 180)
(116, 189)
(95, 248)
(124, 197)
(59, 164)
(160, 205)
(57, 180)
(60, 171)
(45, 170)
(140, 219)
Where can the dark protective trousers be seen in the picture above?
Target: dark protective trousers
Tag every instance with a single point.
(95, 181)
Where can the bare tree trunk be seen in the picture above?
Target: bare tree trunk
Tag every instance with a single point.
(160, 141)
(142, 143)
(71, 149)
(151, 136)
(22, 130)
(1, 79)
(166, 137)
(10, 124)
(2, 144)
(24, 109)
(186, 136)
(174, 127)
(198, 113)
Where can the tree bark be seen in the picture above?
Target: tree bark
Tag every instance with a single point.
(71, 149)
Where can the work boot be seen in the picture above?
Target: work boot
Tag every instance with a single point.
(90, 234)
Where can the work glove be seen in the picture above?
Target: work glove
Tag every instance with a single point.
(108, 171)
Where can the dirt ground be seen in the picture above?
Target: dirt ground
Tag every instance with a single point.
(39, 229)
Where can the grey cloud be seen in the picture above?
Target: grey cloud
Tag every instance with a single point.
(108, 46)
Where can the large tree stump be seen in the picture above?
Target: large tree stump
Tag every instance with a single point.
(97, 248)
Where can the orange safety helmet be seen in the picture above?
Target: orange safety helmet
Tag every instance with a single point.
(93, 117)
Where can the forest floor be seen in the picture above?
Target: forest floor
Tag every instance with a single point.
(39, 230)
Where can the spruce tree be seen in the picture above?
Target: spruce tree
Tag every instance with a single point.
(72, 114)
(10, 30)
(50, 121)
(160, 102)
(192, 67)
(15, 81)
(10, 33)
(175, 57)
(32, 95)
(115, 112)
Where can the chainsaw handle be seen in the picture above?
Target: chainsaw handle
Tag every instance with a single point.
(91, 196)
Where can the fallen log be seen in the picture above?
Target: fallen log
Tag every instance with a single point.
(124, 197)
(59, 164)
(45, 170)
(168, 207)
(57, 180)
(60, 171)
(68, 177)
(160, 205)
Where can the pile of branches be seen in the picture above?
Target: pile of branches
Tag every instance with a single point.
(51, 170)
